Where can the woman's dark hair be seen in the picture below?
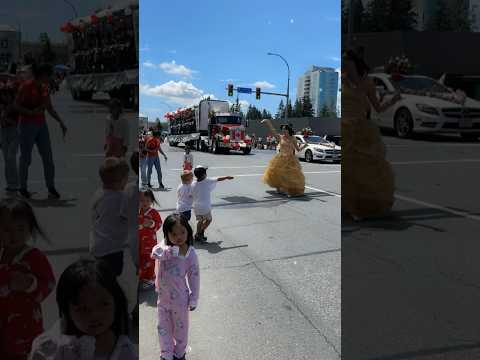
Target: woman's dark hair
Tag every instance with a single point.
(42, 69)
(360, 65)
(148, 193)
(82, 273)
(20, 209)
(288, 128)
(170, 222)
(135, 161)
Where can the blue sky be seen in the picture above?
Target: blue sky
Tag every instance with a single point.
(191, 48)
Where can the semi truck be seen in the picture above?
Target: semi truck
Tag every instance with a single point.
(209, 126)
(104, 53)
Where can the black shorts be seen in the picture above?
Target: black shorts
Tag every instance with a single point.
(115, 261)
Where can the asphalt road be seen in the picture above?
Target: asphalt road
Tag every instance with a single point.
(410, 284)
(77, 160)
(270, 273)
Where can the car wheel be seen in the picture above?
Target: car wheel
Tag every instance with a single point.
(308, 156)
(403, 123)
(247, 151)
(470, 136)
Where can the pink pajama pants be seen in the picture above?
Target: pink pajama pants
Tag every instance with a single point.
(172, 331)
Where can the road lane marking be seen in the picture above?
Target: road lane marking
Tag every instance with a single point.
(438, 207)
(426, 162)
(323, 191)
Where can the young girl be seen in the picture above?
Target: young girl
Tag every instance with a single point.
(187, 159)
(116, 131)
(26, 279)
(177, 283)
(94, 317)
(149, 222)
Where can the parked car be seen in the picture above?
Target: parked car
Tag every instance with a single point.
(437, 113)
(318, 149)
(334, 138)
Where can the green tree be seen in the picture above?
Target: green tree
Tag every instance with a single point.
(325, 112)
(158, 124)
(389, 15)
(48, 55)
(307, 110)
(298, 108)
(290, 109)
(280, 111)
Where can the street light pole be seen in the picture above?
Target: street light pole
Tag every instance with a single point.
(288, 82)
(72, 6)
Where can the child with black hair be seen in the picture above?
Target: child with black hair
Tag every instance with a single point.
(109, 214)
(187, 159)
(149, 222)
(177, 283)
(201, 190)
(26, 279)
(93, 316)
(116, 131)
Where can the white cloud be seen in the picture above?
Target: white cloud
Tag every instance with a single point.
(180, 92)
(149, 64)
(229, 80)
(172, 51)
(334, 58)
(173, 68)
(244, 104)
(292, 21)
(264, 85)
(145, 48)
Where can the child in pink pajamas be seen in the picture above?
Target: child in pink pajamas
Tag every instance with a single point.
(177, 283)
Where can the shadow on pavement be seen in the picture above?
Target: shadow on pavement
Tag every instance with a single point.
(45, 203)
(214, 247)
(400, 220)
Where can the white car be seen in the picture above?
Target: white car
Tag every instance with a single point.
(318, 149)
(420, 113)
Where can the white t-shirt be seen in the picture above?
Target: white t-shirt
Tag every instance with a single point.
(184, 197)
(201, 190)
(109, 218)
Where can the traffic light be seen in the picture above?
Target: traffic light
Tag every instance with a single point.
(230, 89)
(257, 93)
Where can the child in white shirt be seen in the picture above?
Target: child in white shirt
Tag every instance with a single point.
(185, 196)
(202, 203)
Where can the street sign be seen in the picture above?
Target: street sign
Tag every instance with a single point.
(244, 90)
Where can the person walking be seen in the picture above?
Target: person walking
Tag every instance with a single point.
(31, 102)
(153, 147)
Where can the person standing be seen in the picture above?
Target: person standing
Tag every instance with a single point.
(153, 147)
(31, 102)
(9, 137)
(116, 131)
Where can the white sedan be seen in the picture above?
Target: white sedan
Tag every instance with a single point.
(417, 112)
(317, 148)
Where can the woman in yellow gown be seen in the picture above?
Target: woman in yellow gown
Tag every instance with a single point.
(367, 177)
(284, 171)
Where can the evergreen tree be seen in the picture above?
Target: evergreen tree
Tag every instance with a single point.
(158, 124)
(454, 17)
(325, 112)
(290, 109)
(389, 15)
(307, 110)
(441, 20)
(281, 111)
(298, 108)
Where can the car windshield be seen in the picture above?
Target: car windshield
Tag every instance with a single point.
(234, 120)
(315, 140)
(419, 84)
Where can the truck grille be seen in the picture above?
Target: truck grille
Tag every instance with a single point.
(459, 113)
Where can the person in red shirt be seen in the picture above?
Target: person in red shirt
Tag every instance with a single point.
(26, 279)
(152, 144)
(31, 102)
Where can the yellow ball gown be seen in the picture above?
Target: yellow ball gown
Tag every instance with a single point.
(367, 177)
(284, 170)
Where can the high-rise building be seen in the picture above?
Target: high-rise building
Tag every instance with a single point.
(320, 84)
